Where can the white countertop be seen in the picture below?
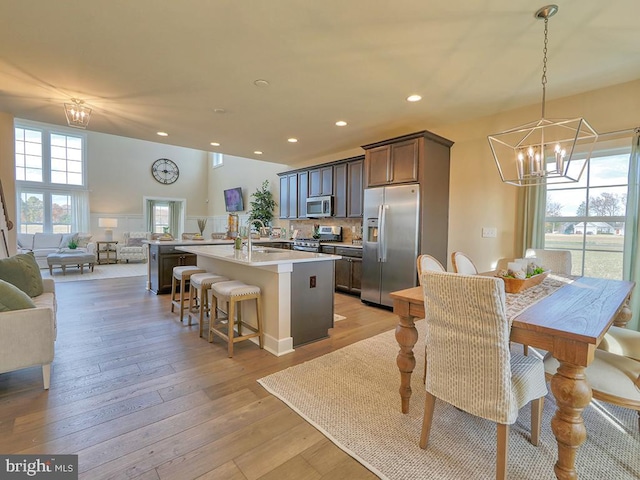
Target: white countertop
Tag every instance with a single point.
(259, 256)
(212, 242)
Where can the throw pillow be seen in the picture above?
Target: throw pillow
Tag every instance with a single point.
(67, 238)
(12, 298)
(83, 239)
(135, 242)
(22, 271)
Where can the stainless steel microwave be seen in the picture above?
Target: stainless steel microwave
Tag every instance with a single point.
(319, 206)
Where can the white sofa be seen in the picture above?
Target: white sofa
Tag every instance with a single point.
(27, 336)
(133, 247)
(42, 244)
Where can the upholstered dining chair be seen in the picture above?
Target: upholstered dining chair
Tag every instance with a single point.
(428, 263)
(463, 264)
(558, 261)
(470, 362)
(613, 378)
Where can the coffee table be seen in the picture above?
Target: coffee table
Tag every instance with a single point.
(63, 260)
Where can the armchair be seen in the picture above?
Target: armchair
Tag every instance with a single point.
(27, 336)
(133, 247)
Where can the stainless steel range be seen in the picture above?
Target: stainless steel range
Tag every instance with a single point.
(326, 234)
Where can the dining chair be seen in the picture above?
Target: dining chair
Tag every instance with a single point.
(470, 363)
(463, 264)
(428, 263)
(558, 261)
(613, 378)
(621, 341)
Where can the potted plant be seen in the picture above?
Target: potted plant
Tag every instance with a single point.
(262, 206)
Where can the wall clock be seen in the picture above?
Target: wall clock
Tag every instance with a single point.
(165, 171)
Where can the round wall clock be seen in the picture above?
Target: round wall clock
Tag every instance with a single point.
(165, 171)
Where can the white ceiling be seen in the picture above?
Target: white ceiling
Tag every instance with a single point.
(149, 65)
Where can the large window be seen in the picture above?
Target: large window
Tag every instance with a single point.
(50, 180)
(587, 218)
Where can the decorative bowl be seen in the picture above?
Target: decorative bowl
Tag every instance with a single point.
(516, 285)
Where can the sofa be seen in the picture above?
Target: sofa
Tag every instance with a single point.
(133, 247)
(28, 326)
(42, 244)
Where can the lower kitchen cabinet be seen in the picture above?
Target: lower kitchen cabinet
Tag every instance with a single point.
(162, 259)
(348, 268)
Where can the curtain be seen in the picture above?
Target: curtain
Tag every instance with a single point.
(151, 221)
(80, 212)
(532, 207)
(631, 257)
(175, 214)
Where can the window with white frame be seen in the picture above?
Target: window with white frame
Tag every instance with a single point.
(587, 218)
(216, 160)
(50, 180)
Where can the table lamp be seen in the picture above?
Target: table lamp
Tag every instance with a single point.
(108, 224)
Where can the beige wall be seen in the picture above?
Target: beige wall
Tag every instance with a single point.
(7, 175)
(477, 196)
(245, 173)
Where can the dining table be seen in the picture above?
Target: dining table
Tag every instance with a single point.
(569, 323)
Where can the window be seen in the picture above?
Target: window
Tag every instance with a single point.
(164, 215)
(50, 180)
(216, 159)
(588, 217)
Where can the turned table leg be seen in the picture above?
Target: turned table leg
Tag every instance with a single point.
(407, 336)
(572, 393)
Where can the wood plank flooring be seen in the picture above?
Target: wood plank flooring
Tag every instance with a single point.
(137, 394)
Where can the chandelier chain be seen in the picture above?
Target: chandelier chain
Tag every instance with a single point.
(544, 62)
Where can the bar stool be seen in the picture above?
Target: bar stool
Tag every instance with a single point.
(233, 293)
(182, 275)
(199, 285)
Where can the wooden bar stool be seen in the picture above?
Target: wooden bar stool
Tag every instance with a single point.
(233, 293)
(182, 275)
(199, 285)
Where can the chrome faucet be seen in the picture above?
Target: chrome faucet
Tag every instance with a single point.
(250, 223)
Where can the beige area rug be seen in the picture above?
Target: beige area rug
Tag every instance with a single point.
(351, 396)
(337, 318)
(114, 270)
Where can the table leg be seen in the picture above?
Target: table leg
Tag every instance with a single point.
(572, 393)
(406, 336)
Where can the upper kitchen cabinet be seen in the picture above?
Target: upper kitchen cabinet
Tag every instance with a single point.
(397, 160)
(303, 193)
(348, 187)
(321, 181)
(289, 195)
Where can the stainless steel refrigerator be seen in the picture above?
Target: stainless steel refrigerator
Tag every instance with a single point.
(391, 225)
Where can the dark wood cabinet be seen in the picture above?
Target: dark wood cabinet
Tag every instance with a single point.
(392, 163)
(355, 188)
(321, 181)
(303, 189)
(289, 195)
(340, 190)
(348, 268)
(162, 259)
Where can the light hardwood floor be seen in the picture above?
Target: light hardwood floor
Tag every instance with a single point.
(137, 394)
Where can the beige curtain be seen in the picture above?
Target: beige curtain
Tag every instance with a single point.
(532, 210)
(631, 262)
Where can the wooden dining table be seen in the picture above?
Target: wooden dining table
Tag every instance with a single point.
(569, 323)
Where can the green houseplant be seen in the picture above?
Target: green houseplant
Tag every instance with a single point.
(262, 205)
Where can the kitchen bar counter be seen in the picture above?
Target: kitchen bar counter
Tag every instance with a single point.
(297, 289)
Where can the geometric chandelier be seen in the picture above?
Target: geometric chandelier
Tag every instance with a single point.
(77, 113)
(545, 151)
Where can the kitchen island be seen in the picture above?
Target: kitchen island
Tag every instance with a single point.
(297, 289)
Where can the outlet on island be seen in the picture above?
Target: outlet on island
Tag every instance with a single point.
(312, 281)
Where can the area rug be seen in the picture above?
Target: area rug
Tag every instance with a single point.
(338, 318)
(351, 396)
(114, 270)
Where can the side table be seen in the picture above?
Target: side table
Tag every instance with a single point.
(108, 253)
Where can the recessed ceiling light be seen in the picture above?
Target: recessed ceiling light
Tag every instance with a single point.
(292, 140)
(258, 152)
(215, 144)
(219, 110)
(261, 83)
(414, 98)
(341, 123)
(163, 134)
